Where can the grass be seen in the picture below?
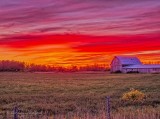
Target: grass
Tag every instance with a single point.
(63, 93)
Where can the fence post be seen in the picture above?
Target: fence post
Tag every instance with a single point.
(37, 115)
(5, 115)
(108, 107)
(15, 113)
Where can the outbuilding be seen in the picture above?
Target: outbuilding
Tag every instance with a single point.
(131, 64)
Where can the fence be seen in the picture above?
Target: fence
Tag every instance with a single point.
(139, 114)
(16, 114)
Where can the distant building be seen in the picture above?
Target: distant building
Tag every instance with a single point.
(128, 64)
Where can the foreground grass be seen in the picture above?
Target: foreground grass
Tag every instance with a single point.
(122, 113)
(62, 93)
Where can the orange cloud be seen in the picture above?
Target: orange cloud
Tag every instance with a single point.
(78, 49)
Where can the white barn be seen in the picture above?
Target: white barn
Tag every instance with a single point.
(126, 64)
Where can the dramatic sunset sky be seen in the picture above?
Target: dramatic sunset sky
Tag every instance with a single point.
(79, 32)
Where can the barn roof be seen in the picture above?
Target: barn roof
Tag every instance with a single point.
(143, 66)
(128, 60)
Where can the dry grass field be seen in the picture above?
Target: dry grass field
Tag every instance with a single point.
(79, 93)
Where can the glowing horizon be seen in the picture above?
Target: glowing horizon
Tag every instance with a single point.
(72, 32)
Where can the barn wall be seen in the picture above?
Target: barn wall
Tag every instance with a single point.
(150, 70)
(155, 70)
(141, 70)
(116, 65)
(125, 70)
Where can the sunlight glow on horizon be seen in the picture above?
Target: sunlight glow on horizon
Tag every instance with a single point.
(73, 32)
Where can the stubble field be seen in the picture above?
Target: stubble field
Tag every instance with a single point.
(78, 93)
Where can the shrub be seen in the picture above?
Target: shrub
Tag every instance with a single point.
(133, 96)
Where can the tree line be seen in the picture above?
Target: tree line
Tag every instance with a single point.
(16, 66)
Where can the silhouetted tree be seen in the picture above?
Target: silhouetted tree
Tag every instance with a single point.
(7, 65)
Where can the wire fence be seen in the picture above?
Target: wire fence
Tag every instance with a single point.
(106, 114)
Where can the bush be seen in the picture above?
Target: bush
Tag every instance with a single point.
(133, 96)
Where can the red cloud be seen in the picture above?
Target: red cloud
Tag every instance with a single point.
(87, 43)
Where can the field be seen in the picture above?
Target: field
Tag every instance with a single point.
(78, 93)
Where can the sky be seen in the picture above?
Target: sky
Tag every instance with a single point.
(79, 32)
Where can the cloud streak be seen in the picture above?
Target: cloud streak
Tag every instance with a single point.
(89, 17)
(43, 29)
